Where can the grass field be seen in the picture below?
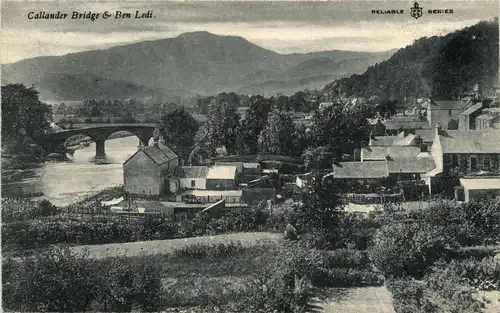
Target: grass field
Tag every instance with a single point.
(158, 247)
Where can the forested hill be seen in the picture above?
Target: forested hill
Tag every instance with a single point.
(442, 67)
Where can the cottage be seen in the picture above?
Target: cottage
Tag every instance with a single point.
(467, 119)
(147, 172)
(222, 177)
(193, 177)
(489, 118)
(408, 124)
(443, 112)
(458, 153)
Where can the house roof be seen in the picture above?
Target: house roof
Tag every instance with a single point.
(464, 141)
(449, 104)
(480, 183)
(427, 135)
(251, 165)
(360, 170)
(476, 107)
(394, 152)
(405, 141)
(405, 124)
(222, 172)
(159, 153)
(193, 172)
(382, 140)
(414, 165)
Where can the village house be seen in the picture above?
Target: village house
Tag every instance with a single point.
(149, 171)
(467, 119)
(489, 118)
(193, 177)
(458, 153)
(403, 123)
(443, 112)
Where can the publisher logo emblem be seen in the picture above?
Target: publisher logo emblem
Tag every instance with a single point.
(416, 11)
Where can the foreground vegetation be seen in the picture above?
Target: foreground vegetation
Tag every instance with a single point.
(433, 260)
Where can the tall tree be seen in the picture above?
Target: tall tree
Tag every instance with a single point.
(220, 128)
(178, 129)
(254, 122)
(23, 113)
(277, 137)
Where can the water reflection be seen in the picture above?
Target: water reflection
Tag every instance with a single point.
(64, 183)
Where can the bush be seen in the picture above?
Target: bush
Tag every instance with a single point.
(14, 209)
(410, 297)
(407, 248)
(484, 274)
(60, 281)
(283, 286)
(204, 251)
(445, 283)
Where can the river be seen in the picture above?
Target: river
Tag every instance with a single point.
(64, 183)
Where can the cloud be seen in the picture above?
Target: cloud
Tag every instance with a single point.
(281, 26)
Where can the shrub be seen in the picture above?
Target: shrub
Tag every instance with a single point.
(484, 274)
(204, 250)
(283, 286)
(60, 281)
(407, 248)
(410, 297)
(14, 209)
(445, 283)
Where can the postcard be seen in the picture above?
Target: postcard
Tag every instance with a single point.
(250, 156)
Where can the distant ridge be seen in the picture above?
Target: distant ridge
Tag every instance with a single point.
(175, 68)
(442, 67)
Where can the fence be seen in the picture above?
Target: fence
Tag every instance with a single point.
(372, 198)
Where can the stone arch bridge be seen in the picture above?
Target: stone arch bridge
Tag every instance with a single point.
(99, 133)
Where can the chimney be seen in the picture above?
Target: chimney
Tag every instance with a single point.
(438, 129)
(161, 141)
(420, 143)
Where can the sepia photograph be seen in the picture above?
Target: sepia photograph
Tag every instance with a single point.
(250, 156)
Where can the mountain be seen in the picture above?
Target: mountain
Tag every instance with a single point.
(442, 67)
(192, 63)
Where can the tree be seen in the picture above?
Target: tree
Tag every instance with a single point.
(179, 129)
(220, 128)
(23, 113)
(277, 137)
(316, 157)
(452, 125)
(253, 124)
(320, 213)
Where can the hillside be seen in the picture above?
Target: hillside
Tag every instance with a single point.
(441, 66)
(198, 62)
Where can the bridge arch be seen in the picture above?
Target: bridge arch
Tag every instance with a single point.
(99, 133)
(144, 138)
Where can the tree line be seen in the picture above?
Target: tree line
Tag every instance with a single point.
(266, 128)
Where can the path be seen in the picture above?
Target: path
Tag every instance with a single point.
(139, 248)
(357, 300)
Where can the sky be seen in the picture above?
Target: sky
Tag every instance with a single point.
(281, 26)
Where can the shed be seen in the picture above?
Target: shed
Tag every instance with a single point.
(484, 188)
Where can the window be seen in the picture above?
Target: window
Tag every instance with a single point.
(487, 162)
(454, 160)
(449, 112)
(473, 163)
(193, 183)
